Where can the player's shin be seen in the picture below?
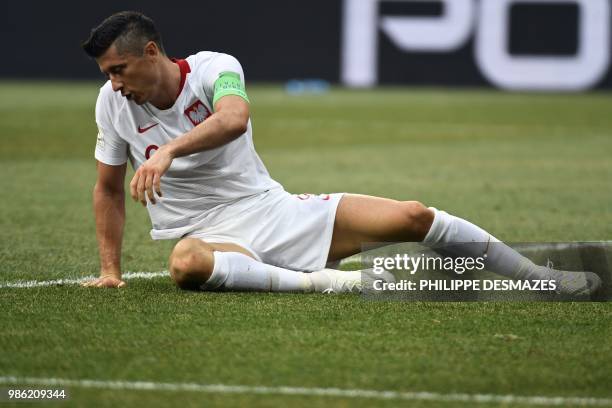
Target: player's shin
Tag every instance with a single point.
(234, 271)
(454, 236)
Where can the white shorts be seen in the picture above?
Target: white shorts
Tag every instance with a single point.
(278, 228)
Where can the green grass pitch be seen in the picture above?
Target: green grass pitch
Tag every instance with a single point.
(527, 167)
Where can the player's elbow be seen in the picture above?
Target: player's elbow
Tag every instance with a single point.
(235, 119)
(237, 129)
(238, 123)
(232, 114)
(231, 125)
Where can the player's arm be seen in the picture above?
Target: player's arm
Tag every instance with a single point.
(109, 210)
(228, 122)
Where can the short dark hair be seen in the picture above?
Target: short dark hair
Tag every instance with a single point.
(130, 31)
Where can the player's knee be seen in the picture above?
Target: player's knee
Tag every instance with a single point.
(418, 218)
(191, 263)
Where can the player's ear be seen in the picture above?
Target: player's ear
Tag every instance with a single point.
(151, 49)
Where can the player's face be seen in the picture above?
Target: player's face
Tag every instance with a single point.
(134, 76)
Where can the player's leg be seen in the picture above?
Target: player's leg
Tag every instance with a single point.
(365, 219)
(195, 264)
(192, 261)
(361, 219)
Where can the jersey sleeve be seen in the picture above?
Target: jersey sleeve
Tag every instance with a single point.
(111, 149)
(221, 64)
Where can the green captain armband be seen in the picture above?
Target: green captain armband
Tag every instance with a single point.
(229, 83)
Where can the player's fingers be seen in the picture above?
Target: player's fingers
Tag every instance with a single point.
(133, 185)
(157, 184)
(149, 188)
(109, 283)
(92, 283)
(104, 282)
(140, 188)
(115, 283)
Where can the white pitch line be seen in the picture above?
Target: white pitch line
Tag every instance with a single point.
(310, 392)
(62, 282)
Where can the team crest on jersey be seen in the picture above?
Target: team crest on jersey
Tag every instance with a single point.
(197, 113)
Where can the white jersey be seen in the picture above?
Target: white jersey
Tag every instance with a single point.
(195, 186)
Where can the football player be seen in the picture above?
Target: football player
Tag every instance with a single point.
(185, 127)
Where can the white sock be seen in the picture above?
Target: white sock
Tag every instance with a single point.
(500, 258)
(234, 271)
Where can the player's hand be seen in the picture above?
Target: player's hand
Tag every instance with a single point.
(105, 281)
(148, 176)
